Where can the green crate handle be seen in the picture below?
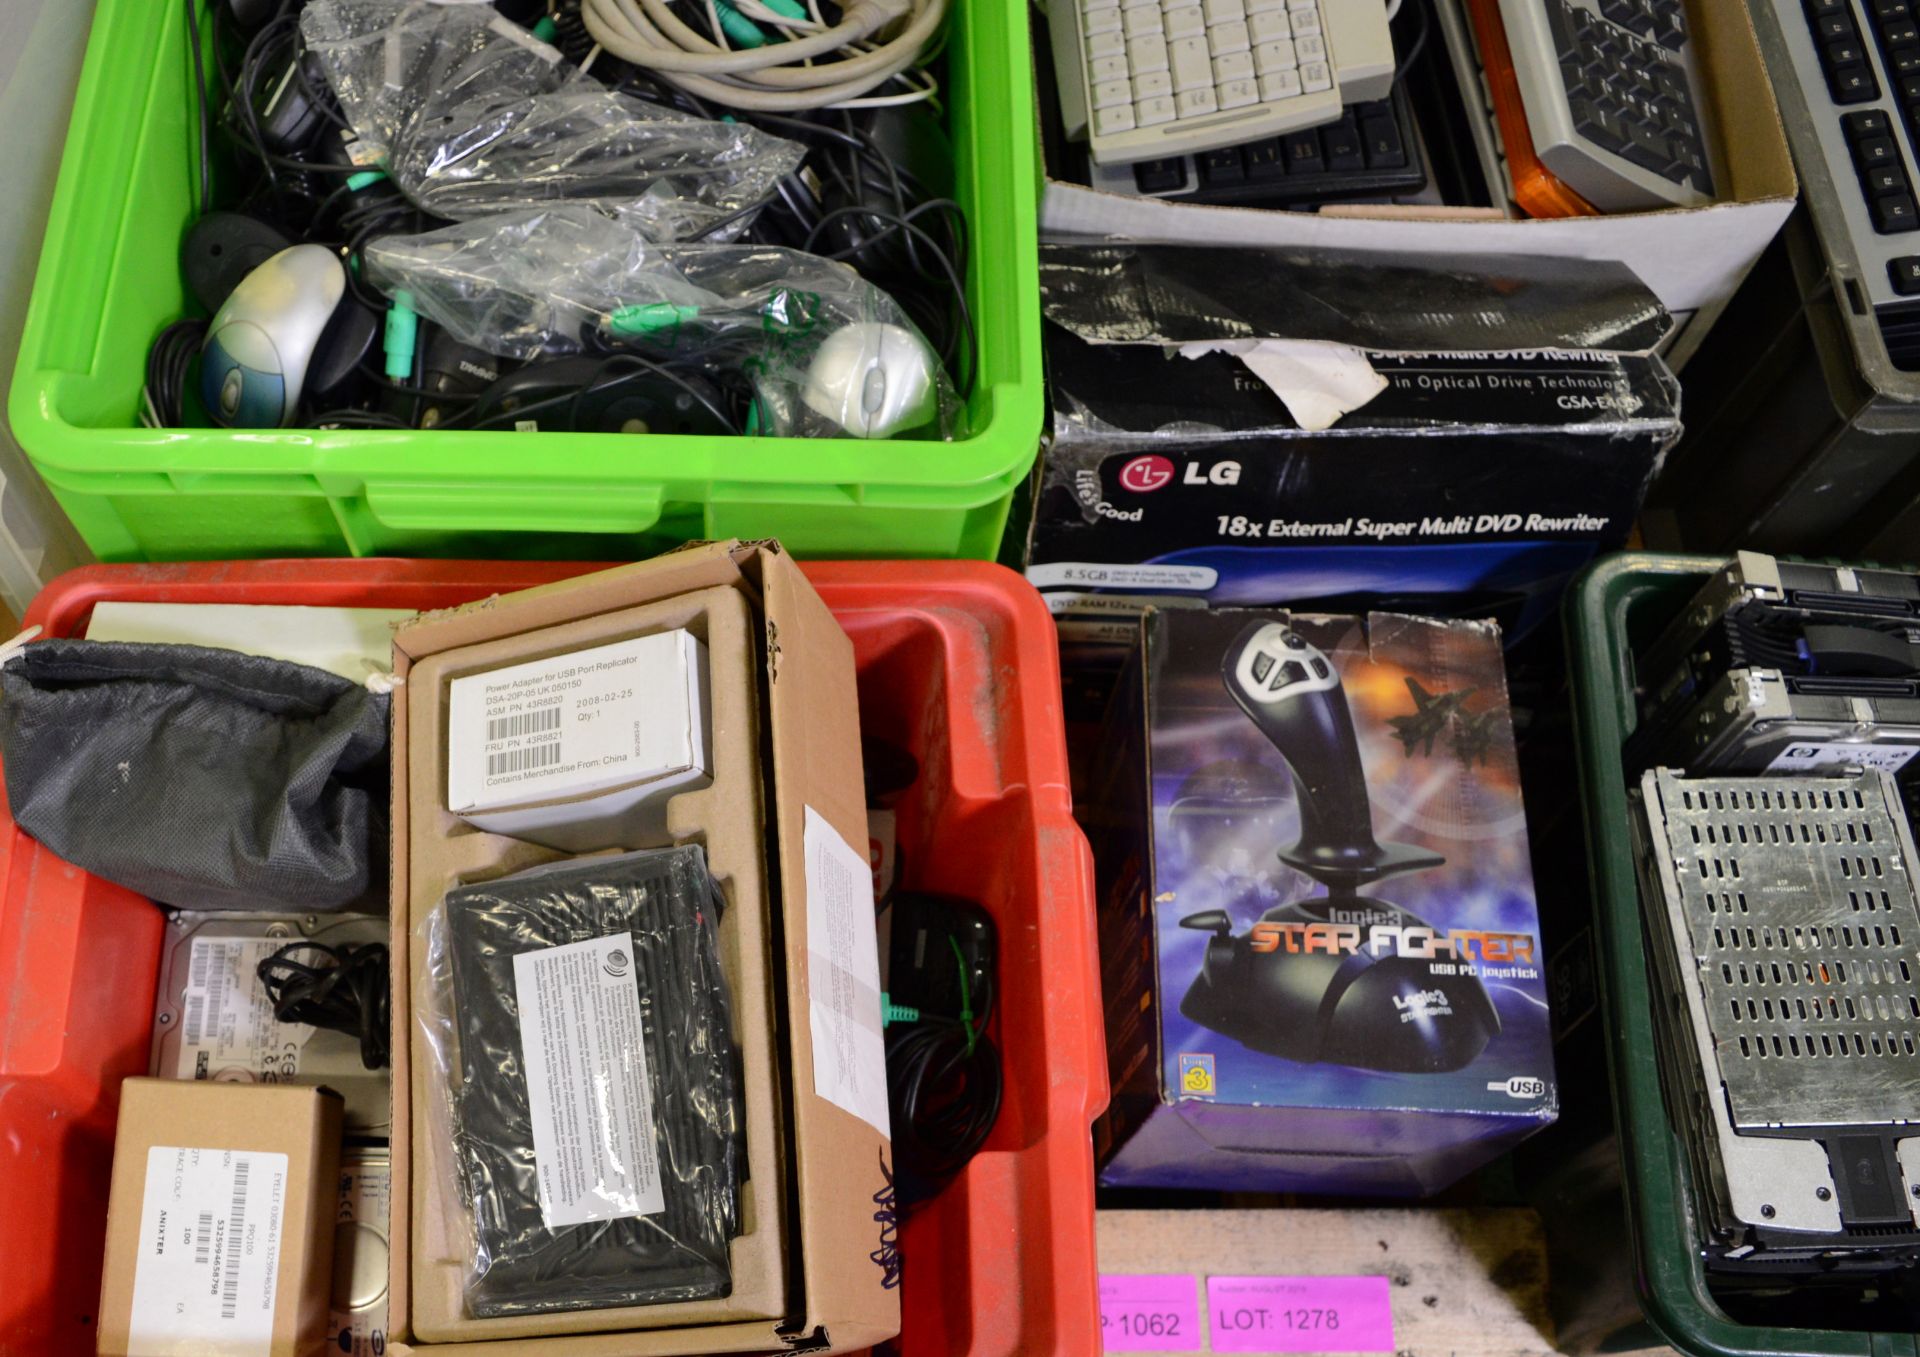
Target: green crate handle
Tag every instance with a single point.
(438, 507)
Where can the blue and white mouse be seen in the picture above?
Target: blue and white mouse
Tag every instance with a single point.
(260, 345)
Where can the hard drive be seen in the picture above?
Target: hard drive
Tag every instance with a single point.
(1783, 924)
(212, 1019)
(360, 1234)
(1778, 666)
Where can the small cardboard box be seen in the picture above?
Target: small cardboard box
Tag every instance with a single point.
(583, 751)
(809, 1267)
(220, 1223)
(1692, 258)
(1318, 932)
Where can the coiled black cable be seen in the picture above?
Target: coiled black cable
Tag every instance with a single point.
(350, 991)
(169, 364)
(944, 1088)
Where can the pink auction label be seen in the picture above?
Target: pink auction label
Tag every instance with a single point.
(1149, 1313)
(1300, 1314)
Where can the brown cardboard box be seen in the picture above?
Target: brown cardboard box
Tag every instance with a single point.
(786, 726)
(197, 1165)
(1692, 258)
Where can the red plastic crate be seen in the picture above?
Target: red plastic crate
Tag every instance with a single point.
(956, 664)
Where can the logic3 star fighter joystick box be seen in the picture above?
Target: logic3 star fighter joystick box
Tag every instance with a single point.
(1320, 946)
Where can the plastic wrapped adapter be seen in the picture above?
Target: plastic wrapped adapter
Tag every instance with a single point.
(828, 353)
(473, 116)
(579, 1019)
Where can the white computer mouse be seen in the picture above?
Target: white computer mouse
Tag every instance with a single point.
(261, 343)
(873, 379)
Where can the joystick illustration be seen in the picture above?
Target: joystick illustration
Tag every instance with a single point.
(1341, 977)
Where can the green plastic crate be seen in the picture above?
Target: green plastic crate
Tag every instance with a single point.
(109, 280)
(1615, 608)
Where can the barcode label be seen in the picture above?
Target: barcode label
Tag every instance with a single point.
(230, 1284)
(537, 722)
(196, 1015)
(197, 973)
(213, 1228)
(523, 760)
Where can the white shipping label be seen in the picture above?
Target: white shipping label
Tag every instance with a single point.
(226, 1020)
(587, 1085)
(595, 717)
(209, 1260)
(1805, 754)
(843, 977)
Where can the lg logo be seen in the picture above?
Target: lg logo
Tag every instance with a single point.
(1146, 473)
(1152, 472)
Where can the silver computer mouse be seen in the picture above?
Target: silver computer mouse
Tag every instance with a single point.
(260, 345)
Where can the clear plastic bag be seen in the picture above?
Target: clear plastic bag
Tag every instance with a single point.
(579, 1025)
(472, 116)
(828, 353)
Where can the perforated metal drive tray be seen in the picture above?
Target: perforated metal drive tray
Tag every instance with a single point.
(1784, 919)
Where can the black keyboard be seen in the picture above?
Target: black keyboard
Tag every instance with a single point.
(1626, 87)
(1369, 152)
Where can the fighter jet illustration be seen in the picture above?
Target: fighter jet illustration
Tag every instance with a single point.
(1473, 737)
(1431, 715)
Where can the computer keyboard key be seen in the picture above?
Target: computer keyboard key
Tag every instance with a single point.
(1866, 123)
(1309, 47)
(1185, 21)
(1161, 176)
(1196, 103)
(1886, 179)
(1220, 11)
(1647, 149)
(1845, 52)
(1232, 66)
(1154, 110)
(1620, 11)
(1192, 69)
(1381, 137)
(1306, 21)
(1904, 61)
(1904, 274)
(1265, 160)
(1303, 4)
(1303, 153)
(1112, 94)
(1119, 118)
(1269, 26)
(1266, 6)
(1269, 57)
(1109, 68)
(1228, 37)
(1832, 27)
(1875, 151)
(1221, 167)
(1853, 84)
(1597, 125)
(1280, 85)
(1340, 142)
(1894, 213)
(1314, 75)
(1892, 11)
(1142, 22)
(1237, 93)
(1146, 54)
(1904, 33)
(1098, 21)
